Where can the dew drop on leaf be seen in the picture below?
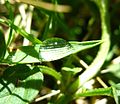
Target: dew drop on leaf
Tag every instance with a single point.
(53, 49)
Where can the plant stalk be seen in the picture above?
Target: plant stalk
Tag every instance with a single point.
(97, 63)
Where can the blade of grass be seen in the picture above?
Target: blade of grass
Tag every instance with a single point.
(95, 92)
(2, 45)
(11, 16)
(30, 37)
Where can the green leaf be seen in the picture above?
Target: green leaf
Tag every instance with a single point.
(50, 50)
(79, 46)
(57, 48)
(71, 71)
(50, 71)
(2, 45)
(24, 54)
(20, 84)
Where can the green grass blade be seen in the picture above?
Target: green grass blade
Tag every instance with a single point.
(2, 45)
(30, 37)
(95, 92)
(11, 17)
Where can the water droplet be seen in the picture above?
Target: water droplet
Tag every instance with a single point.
(53, 49)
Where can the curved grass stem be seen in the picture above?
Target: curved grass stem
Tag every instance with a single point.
(97, 63)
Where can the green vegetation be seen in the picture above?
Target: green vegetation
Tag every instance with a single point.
(59, 52)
